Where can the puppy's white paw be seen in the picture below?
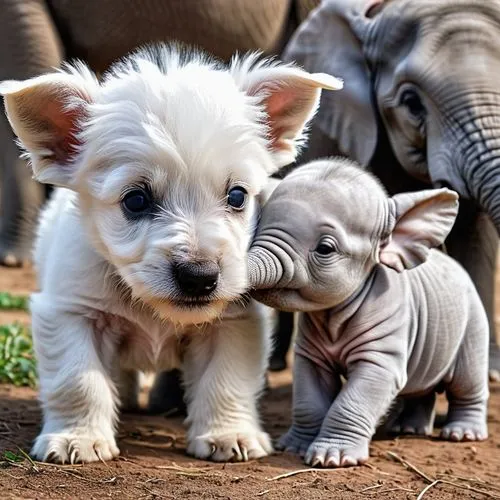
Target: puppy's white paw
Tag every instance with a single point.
(74, 446)
(236, 445)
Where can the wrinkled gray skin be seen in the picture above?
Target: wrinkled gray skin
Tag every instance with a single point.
(420, 107)
(379, 306)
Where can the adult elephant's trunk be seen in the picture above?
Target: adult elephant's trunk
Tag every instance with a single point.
(268, 268)
(483, 178)
(469, 160)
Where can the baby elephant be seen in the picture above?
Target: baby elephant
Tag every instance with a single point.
(333, 245)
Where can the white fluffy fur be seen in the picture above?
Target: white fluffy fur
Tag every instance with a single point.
(107, 305)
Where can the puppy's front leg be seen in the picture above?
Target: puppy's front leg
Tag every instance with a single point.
(76, 393)
(224, 372)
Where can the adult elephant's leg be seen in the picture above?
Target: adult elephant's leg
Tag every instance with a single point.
(473, 241)
(282, 339)
(29, 46)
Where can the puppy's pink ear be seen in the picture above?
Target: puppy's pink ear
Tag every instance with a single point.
(290, 97)
(45, 113)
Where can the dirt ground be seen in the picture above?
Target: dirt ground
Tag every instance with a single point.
(153, 464)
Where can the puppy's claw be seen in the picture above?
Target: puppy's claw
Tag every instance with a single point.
(237, 456)
(244, 452)
(73, 458)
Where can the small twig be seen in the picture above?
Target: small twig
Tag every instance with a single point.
(372, 467)
(13, 464)
(262, 493)
(408, 465)
(489, 494)
(12, 475)
(93, 481)
(371, 488)
(391, 489)
(186, 470)
(427, 488)
(475, 480)
(29, 459)
(300, 471)
(58, 466)
(154, 480)
(151, 492)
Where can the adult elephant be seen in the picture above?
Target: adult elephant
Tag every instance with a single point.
(420, 107)
(37, 35)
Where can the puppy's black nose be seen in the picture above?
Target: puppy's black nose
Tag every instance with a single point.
(197, 279)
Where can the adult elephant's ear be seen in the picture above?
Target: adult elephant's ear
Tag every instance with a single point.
(330, 41)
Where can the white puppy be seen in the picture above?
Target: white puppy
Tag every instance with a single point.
(142, 258)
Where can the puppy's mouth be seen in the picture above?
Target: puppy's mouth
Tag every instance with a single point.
(190, 303)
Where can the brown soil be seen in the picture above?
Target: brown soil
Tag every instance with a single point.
(153, 464)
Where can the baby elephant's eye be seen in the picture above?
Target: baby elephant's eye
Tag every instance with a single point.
(136, 202)
(325, 249)
(236, 197)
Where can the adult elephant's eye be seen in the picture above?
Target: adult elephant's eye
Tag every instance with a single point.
(413, 103)
(236, 197)
(137, 202)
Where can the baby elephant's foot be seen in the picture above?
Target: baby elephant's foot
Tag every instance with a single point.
(335, 452)
(295, 441)
(465, 423)
(417, 417)
(464, 431)
(238, 446)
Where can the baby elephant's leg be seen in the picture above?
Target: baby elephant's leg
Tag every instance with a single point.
(313, 393)
(347, 429)
(468, 390)
(417, 417)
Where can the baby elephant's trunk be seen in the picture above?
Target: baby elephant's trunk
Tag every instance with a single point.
(265, 268)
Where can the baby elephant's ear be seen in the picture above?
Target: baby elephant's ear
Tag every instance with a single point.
(45, 113)
(417, 222)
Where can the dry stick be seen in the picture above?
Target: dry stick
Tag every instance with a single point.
(489, 494)
(151, 492)
(432, 481)
(410, 466)
(475, 480)
(178, 468)
(378, 471)
(389, 490)
(12, 475)
(13, 464)
(262, 493)
(93, 481)
(30, 460)
(300, 471)
(371, 488)
(58, 466)
(427, 488)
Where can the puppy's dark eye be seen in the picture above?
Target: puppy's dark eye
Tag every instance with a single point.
(413, 103)
(325, 249)
(236, 197)
(137, 202)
